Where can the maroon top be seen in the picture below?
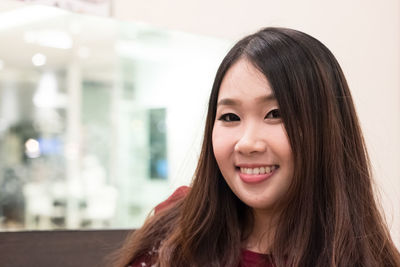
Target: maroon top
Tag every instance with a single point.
(248, 258)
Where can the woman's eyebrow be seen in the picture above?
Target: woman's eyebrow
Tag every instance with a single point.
(228, 102)
(234, 102)
(268, 98)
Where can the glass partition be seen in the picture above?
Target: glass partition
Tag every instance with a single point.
(99, 119)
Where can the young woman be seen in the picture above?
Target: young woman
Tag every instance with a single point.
(283, 177)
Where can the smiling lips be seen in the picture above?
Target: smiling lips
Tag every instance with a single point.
(256, 175)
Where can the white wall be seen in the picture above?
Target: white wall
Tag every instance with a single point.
(363, 34)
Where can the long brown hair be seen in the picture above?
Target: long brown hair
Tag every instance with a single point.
(329, 217)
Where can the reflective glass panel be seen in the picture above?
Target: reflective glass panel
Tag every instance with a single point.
(99, 119)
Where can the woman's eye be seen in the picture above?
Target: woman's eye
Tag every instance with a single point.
(229, 117)
(273, 114)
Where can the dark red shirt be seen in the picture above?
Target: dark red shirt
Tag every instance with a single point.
(248, 258)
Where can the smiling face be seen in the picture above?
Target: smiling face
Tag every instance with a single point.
(249, 138)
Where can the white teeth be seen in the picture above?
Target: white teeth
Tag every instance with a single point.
(261, 170)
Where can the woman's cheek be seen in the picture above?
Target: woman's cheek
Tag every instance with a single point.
(222, 144)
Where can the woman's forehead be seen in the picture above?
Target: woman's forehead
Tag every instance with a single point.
(243, 79)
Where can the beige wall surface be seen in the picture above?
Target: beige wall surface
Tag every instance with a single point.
(364, 35)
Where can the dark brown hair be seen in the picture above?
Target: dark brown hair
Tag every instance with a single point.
(329, 217)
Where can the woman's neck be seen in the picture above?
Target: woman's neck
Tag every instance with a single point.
(262, 232)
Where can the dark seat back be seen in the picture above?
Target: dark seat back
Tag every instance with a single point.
(59, 248)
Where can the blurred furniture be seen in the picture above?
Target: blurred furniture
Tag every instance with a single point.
(59, 248)
(46, 204)
(100, 206)
(39, 207)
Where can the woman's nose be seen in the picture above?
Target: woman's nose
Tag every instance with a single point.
(251, 142)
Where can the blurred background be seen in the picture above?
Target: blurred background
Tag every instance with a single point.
(102, 103)
(90, 109)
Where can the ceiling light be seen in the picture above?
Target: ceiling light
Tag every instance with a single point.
(32, 148)
(39, 60)
(49, 38)
(47, 94)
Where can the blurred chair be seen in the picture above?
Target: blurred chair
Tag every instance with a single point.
(100, 206)
(38, 206)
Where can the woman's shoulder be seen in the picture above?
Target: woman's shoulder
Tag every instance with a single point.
(178, 194)
(147, 259)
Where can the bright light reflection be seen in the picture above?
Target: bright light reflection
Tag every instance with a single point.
(47, 95)
(32, 148)
(144, 51)
(28, 15)
(39, 60)
(1, 64)
(49, 38)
